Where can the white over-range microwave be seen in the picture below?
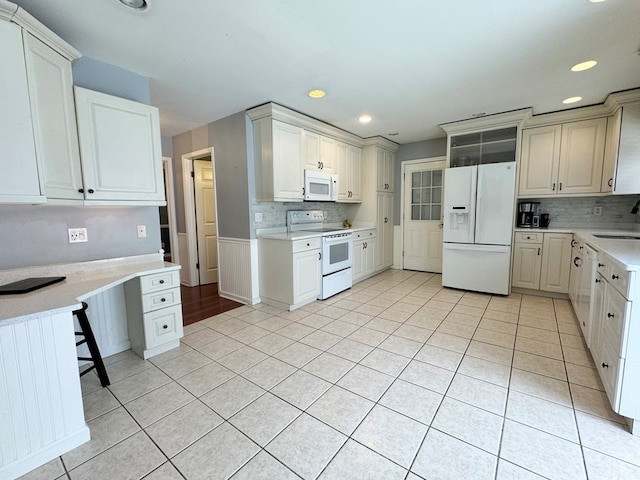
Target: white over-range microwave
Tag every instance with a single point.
(320, 186)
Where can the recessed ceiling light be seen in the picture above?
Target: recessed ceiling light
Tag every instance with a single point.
(596, 1)
(584, 66)
(317, 93)
(135, 4)
(364, 118)
(572, 100)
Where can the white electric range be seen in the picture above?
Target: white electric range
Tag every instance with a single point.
(336, 251)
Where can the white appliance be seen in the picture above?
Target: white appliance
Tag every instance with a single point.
(479, 203)
(336, 251)
(320, 186)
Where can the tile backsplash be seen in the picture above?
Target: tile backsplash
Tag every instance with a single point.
(578, 212)
(274, 214)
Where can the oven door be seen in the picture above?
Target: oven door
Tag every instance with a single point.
(337, 252)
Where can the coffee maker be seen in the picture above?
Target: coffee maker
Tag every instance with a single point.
(528, 215)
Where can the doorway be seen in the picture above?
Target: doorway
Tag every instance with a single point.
(199, 185)
(422, 191)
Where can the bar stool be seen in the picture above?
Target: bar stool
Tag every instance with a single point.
(90, 340)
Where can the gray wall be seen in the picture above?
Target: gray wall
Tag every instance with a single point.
(414, 151)
(103, 77)
(233, 163)
(37, 235)
(167, 146)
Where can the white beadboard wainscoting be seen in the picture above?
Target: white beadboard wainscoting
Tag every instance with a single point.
(183, 252)
(40, 401)
(238, 269)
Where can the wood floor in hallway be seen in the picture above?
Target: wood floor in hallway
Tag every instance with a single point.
(203, 302)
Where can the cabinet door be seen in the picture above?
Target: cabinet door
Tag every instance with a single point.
(384, 231)
(19, 179)
(120, 148)
(556, 262)
(359, 260)
(355, 174)
(342, 160)
(384, 164)
(596, 328)
(611, 152)
(527, 262)
(306, 276)
(311, 150)
(54, 119)
(328, 154)
(370, 257)
(581, 156)
(539, 160)
(288, 175)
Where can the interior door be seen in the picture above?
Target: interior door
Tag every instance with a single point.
(422, 225)
(206, 221)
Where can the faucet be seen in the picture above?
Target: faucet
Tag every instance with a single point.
(634, 210)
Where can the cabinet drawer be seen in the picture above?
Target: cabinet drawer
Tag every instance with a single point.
(162, 299)
(615, 320)
(162, 326)
(364, 234)
(610, 368)
(307, 244)
(619, 278)
(160, 281)
(528, 237)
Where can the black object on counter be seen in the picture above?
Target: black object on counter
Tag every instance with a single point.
(544, 220)
(28, 285)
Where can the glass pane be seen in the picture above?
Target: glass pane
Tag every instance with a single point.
(415, 212)
(498, 135)
(424, 213)
(426, 179)
(415, 179)
(437, 178)
(436, 212)
(426, 195)
(338, 253)
(415, 195)
(436, 195)
(468, 139)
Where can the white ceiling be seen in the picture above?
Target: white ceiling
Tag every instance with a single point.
(411, 64)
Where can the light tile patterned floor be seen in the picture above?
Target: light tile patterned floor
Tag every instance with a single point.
(396, 378)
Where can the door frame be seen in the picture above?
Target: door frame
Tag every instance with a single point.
(403, 165)
(171, 209)
(188, 188)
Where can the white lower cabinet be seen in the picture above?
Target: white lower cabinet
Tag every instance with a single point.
(364, 254)
(384, 231)
(290, 271)
(541, 261)
(154, 313)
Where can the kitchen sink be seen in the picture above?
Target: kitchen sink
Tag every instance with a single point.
(617, 237)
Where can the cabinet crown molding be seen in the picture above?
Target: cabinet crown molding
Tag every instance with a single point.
(380, 142)
(291, 117)
(13, 13)
(488, 122)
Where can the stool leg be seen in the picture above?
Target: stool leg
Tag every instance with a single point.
(85, 326)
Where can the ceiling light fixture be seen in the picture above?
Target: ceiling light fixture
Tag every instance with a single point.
(584, 66)
(364, 118)
(317, 93)
(138, 5)
(572, 100)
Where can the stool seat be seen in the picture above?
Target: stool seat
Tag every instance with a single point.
(90, 340)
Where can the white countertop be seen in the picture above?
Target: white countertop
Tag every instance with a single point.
(627, 252)
(83, 280)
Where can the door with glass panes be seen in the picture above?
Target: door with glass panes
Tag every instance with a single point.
(422, 224)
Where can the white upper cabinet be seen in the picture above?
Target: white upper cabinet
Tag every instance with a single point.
(54, 118)
(19, 180)
(120, 149)
(621, 172)
(319, 152)
(385, 165)
(349, 161)
(562, 159)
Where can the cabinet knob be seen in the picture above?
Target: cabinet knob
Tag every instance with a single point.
(610, 315)
(538, 251)
(610, 182)
(604, 365)
(560, 186)
(308, 244)
(553, 188)
(386, 220)
(163, 299)
(161, 282)
(600, 265)
(614, 277)
(319, 255)
(165, 326)
(90, 190)
(528, 237)
(81, 190)
(597, 280)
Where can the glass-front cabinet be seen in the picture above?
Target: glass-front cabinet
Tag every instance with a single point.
(492, 146)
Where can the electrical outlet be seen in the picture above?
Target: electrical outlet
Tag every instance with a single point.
(258, 217)
(77, 235)
(142, 231)
(597, 211)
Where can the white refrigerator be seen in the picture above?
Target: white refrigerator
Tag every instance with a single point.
(479, 204)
